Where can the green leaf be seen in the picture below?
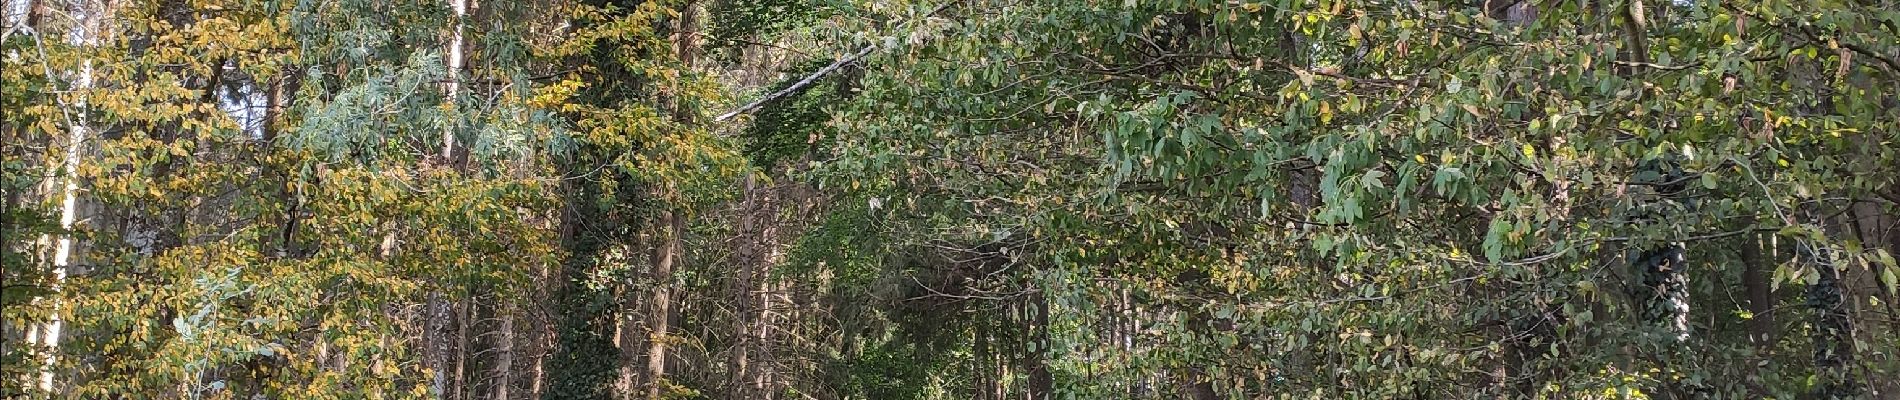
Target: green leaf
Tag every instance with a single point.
(1494, 239)
(1887, 278)
(1371, 179)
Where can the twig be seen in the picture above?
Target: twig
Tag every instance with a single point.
(1658, 66)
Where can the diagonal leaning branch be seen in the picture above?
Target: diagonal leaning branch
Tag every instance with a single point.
(809, 79)
(802, 83)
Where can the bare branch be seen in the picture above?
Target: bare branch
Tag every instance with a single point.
(802, 83)
(809, 79)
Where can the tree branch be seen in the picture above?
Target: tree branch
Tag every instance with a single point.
(802, 83)
(809, 79)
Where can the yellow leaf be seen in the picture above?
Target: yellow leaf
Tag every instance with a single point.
(1473, 110)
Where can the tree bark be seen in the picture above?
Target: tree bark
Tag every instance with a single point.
(17, 12)
(85, 22)
(685, 46)
(985, 384)
(659, 317)
(745, 299)
(464, 318)
(629, 346)
(505, 358)
(1758, 291)
(460, 10)
(439, 318)
(1041, 381)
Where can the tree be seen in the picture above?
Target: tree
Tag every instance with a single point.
(959, 199)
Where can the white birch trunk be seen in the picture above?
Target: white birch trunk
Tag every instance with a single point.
(85, 21)
(16, 13)
(460, 8)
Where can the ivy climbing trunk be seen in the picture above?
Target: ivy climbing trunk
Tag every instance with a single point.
(1662, 293)
(1665, 293)
(1833, 332)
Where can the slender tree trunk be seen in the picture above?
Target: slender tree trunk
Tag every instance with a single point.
(685, 43)
(985, 385)
(464, 317)
(505, 354)
(86, 21)
(631, 322)
(1130, 328)
(661, 313)
(1041, 381)
(451, 312)
(627, 376)
(460, 10)
(764, 366)
(1758, 291)
(741, 378)
(1867, 220)
(282, 89)
(544, 336)
(438, 319)
(754, 292)
(1891, 230)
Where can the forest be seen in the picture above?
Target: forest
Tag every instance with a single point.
(950, 199)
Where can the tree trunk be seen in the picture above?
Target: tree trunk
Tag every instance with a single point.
(659, 318)
(630, 345)
(1867, 220)
(745, 298)
(544, 337)
(761, 368)
(1041, 381)
(85, 23)
(505, 354)
(1758, 292)
(17, 12)
(460, 9)
(685, 45)
(985, 383)
(1833, 333)
(464, 318)
(439, 317)
(1665, 293)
